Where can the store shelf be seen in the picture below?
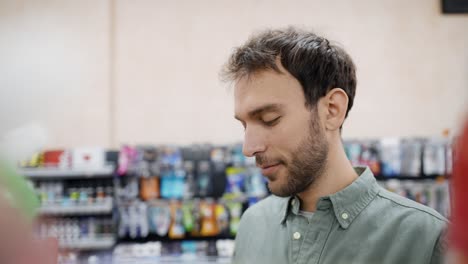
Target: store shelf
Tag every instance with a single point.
(100, 208)
(173, 259)
(410, 178)
(154, 237)
(98, 243)
(56, 173)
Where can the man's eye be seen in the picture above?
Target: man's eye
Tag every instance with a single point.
(271, 122)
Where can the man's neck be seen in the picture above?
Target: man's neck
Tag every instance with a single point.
(338, 174)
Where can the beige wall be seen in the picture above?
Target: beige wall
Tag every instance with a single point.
(165, 57)
(54, 68)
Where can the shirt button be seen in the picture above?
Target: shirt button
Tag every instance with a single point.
(296, 235)
(293, 202)
(344, 216)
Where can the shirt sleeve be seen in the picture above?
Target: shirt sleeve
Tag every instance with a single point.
(236, 257)
(440, 249)
(239, 245)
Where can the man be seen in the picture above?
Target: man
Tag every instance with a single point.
(293, 90)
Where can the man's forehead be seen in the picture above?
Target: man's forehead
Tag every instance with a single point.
(266, 88)
(259, 86)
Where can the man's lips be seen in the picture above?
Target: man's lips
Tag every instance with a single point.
(269, 169)
(267, 165)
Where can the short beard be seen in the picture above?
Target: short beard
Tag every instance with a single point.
(308, 162)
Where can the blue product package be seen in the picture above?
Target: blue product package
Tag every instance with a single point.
(151, 214)
(189, 247)
(391, 157)
(235, 180)
(171, 185)
(178, 184)
(165, 187)
(255, 184)
(238, 158)
(353, 152)
(84, 230)
(203, 179)
(166, 190)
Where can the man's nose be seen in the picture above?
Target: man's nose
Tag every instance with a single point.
(253, 143)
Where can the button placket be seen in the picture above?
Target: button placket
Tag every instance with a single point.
(297, 235)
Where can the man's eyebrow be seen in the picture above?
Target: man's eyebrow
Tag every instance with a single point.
(262, 109)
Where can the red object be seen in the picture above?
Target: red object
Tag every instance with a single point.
(459, 231)
(52, 158)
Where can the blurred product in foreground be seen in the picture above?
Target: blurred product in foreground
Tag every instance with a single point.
(459, 231)
(18, 204)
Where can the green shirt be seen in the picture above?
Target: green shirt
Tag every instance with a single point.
(362, 223)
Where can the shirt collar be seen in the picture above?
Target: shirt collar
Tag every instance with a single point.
(347, 204)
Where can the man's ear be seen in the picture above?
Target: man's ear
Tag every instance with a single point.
(336, 105)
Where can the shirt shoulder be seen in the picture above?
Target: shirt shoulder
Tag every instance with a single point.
(423, 225)
(419, 210)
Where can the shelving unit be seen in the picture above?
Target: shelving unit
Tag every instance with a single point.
(98, 243)
(100, 208)
(60, 209)
(98, 199)
(57, 173)
(154, 237)
(410, 178)
(173, 259)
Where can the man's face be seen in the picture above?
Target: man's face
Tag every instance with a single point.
(283, 135)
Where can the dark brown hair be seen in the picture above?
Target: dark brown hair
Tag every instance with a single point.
(317, 64)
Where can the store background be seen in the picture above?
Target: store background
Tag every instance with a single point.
(75, 75)
(104, 73)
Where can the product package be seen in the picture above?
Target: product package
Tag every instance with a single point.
(391, 157)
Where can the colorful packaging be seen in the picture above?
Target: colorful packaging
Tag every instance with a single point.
(127, 157)
(434, 157)
(176, 231)
(369, 157)
(88, 158)
(235, 210)
(237, 157)
(188, 220)
(160, 218)
(203, 179)
(411, 157)
(149, 188)
(190, 186)
(353, 152)
(209, 226)
(222, 219)
(197, 218)
(391, 157)
(255, 184)
(56, 158)
(235, 182)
